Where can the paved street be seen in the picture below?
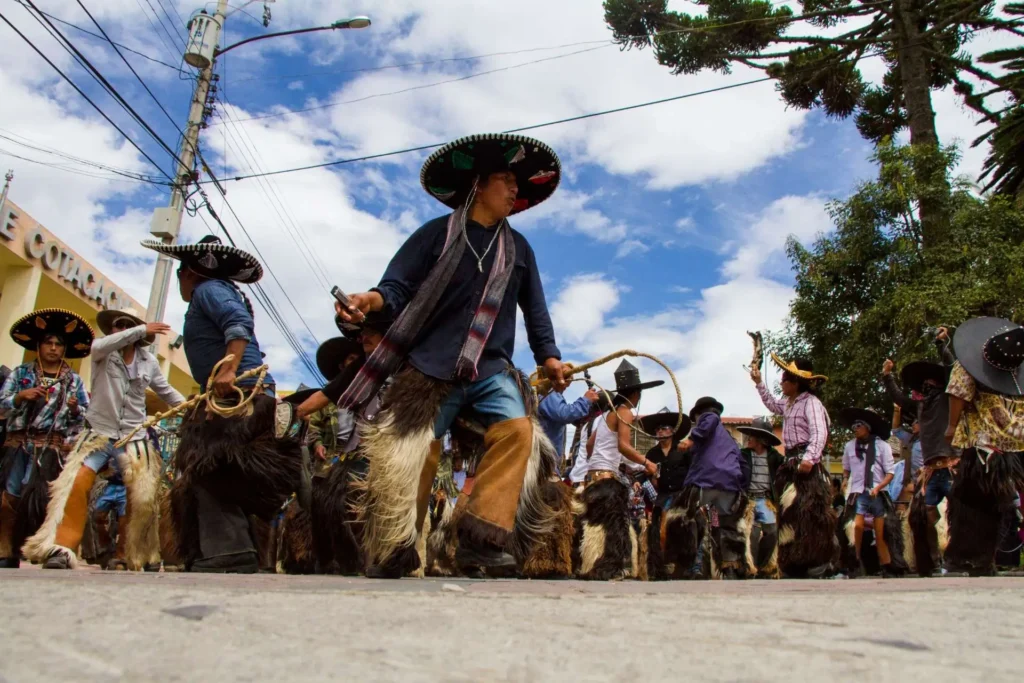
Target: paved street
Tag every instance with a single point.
(101, 626)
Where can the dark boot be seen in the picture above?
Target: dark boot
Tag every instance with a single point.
(475, 555)
(10, 557)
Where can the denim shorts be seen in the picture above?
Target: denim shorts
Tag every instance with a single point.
(762, 513)
(866, 505)
(938, 487)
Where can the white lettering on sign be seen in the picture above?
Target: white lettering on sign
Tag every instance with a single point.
(7, 225)
(54, 256)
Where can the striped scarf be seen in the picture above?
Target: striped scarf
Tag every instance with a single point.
(387, 357)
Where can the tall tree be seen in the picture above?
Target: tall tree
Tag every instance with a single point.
(1004, 168)
(868, 291)
(817, 63)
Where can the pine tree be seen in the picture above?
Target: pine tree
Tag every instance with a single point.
(816, 56)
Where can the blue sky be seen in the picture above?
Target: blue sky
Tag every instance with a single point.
(666, 235)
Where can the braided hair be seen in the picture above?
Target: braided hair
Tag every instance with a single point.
(248, 304)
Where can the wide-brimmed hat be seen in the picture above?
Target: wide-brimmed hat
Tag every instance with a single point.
(627, 379)
(30, 330)
(801, 367)
(333, 352)
(761, 429)
(105, 321)
(992, 352)
(665, 418)
(703, 404)
(880, 426)
(300, 395)
(211, 259)
(448, 173)
(914, 375)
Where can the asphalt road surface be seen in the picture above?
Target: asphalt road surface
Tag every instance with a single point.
(105, 626)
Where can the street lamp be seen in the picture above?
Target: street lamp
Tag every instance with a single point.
(354, 22)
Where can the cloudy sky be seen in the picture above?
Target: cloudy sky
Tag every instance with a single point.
(666, 235)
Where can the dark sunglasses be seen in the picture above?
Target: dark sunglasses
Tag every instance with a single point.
(123, 324)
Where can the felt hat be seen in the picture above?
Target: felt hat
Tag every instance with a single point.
(211, 259)
(801, 367)
(665, 418)
(992, 352)
(28, 331)
(627, 379)
(880, 426)
(761, 428)
(448, 173)
(105, 321)
(702, 405)
(914, 375)
(333, 352)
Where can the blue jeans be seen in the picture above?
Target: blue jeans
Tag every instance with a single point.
(114, 497)
(107, 455)
(866, 505)
(492, 400)
(938, 487)
(762, 513)
(20, 471)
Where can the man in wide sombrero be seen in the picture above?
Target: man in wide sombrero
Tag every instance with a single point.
(122, 370)
(227, 468)
(454, 286)
(43, 399)
(807, 522)
(986, 420)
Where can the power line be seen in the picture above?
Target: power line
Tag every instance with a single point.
(64, 42)
(420, 87)
(78, 160)
(63, 167)
(160, 21)
(84, 96)
(99, 37)
(168, 46)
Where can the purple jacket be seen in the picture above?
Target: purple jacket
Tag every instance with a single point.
(716, 456)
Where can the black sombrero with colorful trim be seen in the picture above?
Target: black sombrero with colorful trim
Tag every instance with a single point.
(448, 173)
(880, 426)
(914, 375)
(992, 352)
(31, 329)
(665, 418)
(211, 259)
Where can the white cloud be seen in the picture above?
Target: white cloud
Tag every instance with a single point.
(567, 211)
(296, 85)
(630, 247)
(802, 217)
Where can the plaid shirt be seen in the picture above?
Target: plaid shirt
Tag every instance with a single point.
(55, 415)
(804, 421)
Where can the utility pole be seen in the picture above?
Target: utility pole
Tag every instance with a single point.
(204, 35)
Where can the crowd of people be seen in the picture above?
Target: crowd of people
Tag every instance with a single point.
(428, 452)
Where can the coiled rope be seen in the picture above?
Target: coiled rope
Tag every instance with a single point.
(543, 386)
(221, 409)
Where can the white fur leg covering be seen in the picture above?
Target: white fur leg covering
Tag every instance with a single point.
(140, 467)
(388, 506)
(41, 544)
(591, 547)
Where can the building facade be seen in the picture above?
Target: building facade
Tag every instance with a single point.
(38, 270)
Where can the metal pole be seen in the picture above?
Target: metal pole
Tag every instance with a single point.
(167, 220)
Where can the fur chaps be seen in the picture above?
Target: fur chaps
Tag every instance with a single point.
(141, 474)
(983, 490)
(917, 523)
(806, 521)
(38, 546)
(869, 555)
(605, 538)
(334, 527)
(237, 459)
(293, 533)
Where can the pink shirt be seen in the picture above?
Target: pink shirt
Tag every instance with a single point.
(804, 421)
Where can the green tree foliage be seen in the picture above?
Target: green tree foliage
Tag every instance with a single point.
(1004, 168)
(816, 56)
(868, 291)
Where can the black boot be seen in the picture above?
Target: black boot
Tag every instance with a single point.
(489, 558)
(401, 563)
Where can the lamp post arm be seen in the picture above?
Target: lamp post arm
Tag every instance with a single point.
(253, 39)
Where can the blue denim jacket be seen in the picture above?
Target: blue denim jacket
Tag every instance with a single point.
(554, 413)
(215, 316)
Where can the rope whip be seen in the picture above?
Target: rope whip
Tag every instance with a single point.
(542, 384)
(208, 397)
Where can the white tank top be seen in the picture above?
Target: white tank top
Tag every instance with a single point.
(606, 448)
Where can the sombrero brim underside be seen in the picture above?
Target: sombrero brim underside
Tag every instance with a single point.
(450, 170)
(652, 423)
(639, 387)
(213, 260)
(792, 368)
(914, 375)
(969, 345)
(878, 423)
(29, 330)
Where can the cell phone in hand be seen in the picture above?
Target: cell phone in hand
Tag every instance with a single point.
(342, 299)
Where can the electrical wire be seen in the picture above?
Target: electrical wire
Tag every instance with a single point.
(39, 147)
(63, 167)
(84, 96)
(99, 37)
(160, 20)
(422, 86)
(68, 46)
(163, 41)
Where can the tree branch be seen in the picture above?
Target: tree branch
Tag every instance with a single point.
(974, 101)
(967, 66)
(955, 17)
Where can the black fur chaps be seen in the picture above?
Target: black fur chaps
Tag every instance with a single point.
(807, 522)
